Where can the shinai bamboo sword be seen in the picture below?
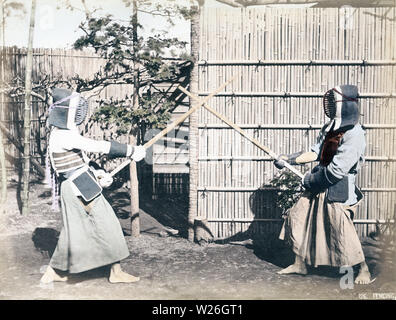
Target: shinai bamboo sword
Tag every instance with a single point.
(175, 123)
(243, 133)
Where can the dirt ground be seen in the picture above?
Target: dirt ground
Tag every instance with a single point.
(170, 267)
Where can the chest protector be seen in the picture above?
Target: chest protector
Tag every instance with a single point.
(71, 165)
(330, 147)
(67, 161)
(338, 192)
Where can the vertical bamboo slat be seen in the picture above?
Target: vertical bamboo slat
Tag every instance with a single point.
(282, 34)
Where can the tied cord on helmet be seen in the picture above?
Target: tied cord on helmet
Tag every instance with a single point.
(56, 104)
(51, 180)
(81, 108)
(344, 96)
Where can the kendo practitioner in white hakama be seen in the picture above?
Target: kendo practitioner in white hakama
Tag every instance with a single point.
(91, 235)
(319, 227)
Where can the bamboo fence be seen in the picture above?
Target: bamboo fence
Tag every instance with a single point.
(51, 62)
(287, 59)
(169, 165)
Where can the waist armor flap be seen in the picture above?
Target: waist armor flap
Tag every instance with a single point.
(67, 161)
(359, 195)
(84, 184)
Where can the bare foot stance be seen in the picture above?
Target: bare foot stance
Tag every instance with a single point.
(50, 275)
(119, 276)
(364, 276)
(297, 267)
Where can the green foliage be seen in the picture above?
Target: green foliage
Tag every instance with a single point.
(121, 115)
(125, 53)
(289, 189)
(16, 8)
(169, 9)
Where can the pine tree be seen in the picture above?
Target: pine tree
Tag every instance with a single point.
(132, 59)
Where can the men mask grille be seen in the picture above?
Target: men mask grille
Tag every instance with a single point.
(81, 112)
(329, 104)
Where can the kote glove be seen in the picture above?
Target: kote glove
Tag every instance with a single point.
(105, 179)
(290, 158)
(280, 161)
(139, 153)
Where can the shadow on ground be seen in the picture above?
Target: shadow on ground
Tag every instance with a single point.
(45, 240)
(158, 215)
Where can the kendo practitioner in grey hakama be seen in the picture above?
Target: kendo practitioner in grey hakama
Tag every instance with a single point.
(319, 227)
(91, 235)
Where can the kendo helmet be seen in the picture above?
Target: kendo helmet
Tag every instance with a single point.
(68, 109)
(341, 106)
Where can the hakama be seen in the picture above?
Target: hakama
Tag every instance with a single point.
(87, 240)
(322, 233)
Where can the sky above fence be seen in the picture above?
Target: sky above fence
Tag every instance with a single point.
(57, 26)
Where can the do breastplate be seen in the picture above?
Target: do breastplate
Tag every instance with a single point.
(67, 161)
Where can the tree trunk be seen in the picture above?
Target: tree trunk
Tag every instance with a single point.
(26, 122)
(135, 219)
(193, 129)
(3, 23)
(134, 191)
(134, 194)
(3, 197)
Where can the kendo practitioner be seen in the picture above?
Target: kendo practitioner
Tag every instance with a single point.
(91, 235)
(319, 227)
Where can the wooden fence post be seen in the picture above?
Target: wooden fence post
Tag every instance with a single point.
(3, 197)
(134, 193)
(134, 182)
(193, 128)
(27, 122)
